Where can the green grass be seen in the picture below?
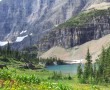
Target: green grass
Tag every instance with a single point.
(82, 18)
(42, 75)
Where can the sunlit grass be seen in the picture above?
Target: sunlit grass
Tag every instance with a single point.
(22, 79)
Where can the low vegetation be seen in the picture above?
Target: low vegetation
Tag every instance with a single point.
(51, 61)
(83, 18)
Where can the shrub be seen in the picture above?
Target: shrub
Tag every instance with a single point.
(28, 79)
(56, 76)
(5, 74)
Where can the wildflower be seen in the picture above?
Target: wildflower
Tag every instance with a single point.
(11, 82)
(1, 83)
(12, 88)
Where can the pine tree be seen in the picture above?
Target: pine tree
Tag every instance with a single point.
(79, 71)
(107, 66)
(17, 56)
(88, 58)
(0, 51)
(88, 70)
(8, 48)
(101, 71)
(94, 71)
(4, 53)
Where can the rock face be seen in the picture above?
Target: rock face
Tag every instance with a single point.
(35, 16)
(19, 18)
(68, 37)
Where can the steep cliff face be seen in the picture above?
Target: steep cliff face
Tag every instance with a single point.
(34, 16)
(67, 35)
(19, 18)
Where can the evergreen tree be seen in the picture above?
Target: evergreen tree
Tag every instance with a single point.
(79, 71)
(103, 72)
(0, 51)
(17, 55)
(101, 65)
(8, 48)
(4, 53)
(88, 58)
(95, 71)
(88, 70)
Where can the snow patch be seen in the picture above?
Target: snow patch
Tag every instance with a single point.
(31, 34)
(2, 43)
(75, 61)
(56, 25)
(23, 32)
(19, 39)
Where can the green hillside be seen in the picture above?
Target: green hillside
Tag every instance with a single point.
(84, 18)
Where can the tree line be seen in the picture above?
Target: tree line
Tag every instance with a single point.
(98, 72)
(25, 55)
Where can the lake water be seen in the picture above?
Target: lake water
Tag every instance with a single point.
(64, 68)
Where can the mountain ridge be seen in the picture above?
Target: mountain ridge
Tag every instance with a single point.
(78, 30)
(36, 16)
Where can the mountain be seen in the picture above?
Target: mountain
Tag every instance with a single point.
(78, 31)
(22, 19)
(78, 52)
(19, 18)
(82, 28)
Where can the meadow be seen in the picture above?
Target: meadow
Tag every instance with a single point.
(23, 79)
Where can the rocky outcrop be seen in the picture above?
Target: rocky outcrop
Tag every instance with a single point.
(68, 37)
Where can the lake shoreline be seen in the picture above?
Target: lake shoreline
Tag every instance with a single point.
(68, 68)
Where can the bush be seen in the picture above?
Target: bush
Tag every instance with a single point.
(28, 79)
(69, 77)
(5, 74)
(4, 59)
(53, 86)
(56, 76)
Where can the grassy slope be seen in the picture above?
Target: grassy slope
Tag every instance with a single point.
(82, 18)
